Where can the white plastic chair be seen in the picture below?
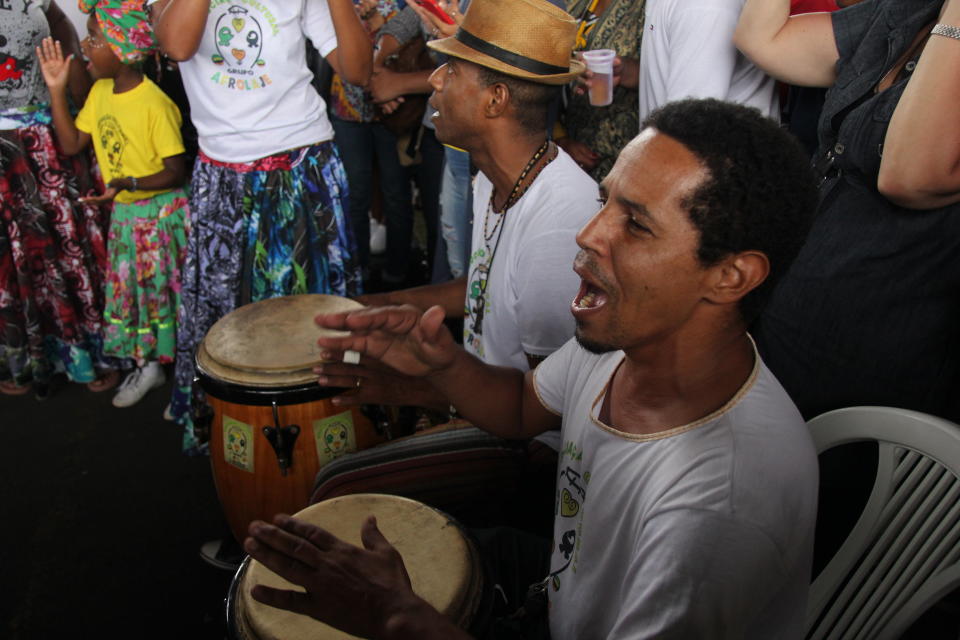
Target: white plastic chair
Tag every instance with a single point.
(903, 554)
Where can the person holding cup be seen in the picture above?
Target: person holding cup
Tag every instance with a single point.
(600, 63)
(593, 134)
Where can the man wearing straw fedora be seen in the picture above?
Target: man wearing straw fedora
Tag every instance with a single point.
(506, 64)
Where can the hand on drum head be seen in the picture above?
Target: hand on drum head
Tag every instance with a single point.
(414, 344)
(375, 383)
(359, 590)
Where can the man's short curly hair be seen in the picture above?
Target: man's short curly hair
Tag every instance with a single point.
(760, 194)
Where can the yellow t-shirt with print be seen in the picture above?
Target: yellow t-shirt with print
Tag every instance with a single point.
(132, 132)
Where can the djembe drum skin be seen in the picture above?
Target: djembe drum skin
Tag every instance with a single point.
(442, 562)
(273, 425)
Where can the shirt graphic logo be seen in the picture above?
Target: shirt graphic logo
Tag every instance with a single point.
(113, 142)
(11, 72)
(238, 38)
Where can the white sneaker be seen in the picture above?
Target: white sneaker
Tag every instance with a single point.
(138, 383)
(378, 237)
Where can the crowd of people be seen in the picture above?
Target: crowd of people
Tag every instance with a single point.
(725, 284)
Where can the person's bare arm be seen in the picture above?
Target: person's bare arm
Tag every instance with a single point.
(499, 400)
(353, 57)
(386, 85)
(800, 50)
(628, 73)
(920, 167)
(61, 30)
(387, 45)
(448, 295)
(178, 26)
(56, 70)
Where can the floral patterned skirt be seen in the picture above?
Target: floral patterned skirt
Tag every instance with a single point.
(147, 246)
(52, 261)
(272, 227)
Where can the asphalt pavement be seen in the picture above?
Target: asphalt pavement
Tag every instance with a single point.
(102, 521)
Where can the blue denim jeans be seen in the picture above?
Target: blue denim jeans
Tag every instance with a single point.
(456, 209)
(361, 144)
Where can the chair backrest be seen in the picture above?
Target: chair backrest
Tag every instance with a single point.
(903, 554)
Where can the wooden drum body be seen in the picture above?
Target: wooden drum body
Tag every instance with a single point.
(443, 565)
(273, 425)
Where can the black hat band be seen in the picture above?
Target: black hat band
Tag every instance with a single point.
(513, 59)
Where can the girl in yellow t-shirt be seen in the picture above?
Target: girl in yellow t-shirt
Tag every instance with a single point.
(135, 130)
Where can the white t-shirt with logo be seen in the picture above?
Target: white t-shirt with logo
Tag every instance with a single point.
(531, 282)
(687, 51)
(249, 85)
(701, 531)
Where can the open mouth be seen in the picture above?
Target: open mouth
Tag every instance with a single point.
(589, 297)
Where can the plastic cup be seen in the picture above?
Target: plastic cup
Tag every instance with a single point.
(600, 63)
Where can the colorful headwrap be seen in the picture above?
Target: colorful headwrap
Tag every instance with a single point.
(125, 27)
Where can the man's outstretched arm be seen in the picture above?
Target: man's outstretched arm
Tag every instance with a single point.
(500, 400)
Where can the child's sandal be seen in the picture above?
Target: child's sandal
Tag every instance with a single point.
(104, 382)
(10, 388)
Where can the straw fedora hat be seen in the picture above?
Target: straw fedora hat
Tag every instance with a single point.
(529, 39)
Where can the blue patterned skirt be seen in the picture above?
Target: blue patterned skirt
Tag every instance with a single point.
(272, 227)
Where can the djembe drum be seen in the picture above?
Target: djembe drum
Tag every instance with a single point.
(443, 565)
(273, 425)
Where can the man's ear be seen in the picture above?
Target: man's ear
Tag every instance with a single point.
(737, 275)
(498, 98)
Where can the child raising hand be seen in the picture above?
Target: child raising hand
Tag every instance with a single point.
(135, 130)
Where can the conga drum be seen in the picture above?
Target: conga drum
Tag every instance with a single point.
(443, 565)
(273, 425)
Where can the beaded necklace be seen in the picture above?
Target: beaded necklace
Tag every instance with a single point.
(515, 194)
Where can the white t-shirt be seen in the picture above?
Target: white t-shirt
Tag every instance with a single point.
(687, 51)
(249, 85)
(702, 531)
(531, 282)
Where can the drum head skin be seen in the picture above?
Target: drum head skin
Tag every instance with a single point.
(270, 343)
(442, 563)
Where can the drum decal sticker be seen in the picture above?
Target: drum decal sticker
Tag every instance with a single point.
(334, 436)
(238, 444)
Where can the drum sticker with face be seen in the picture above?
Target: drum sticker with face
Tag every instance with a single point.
(238, 444)
(238, 34)
(334, 436)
